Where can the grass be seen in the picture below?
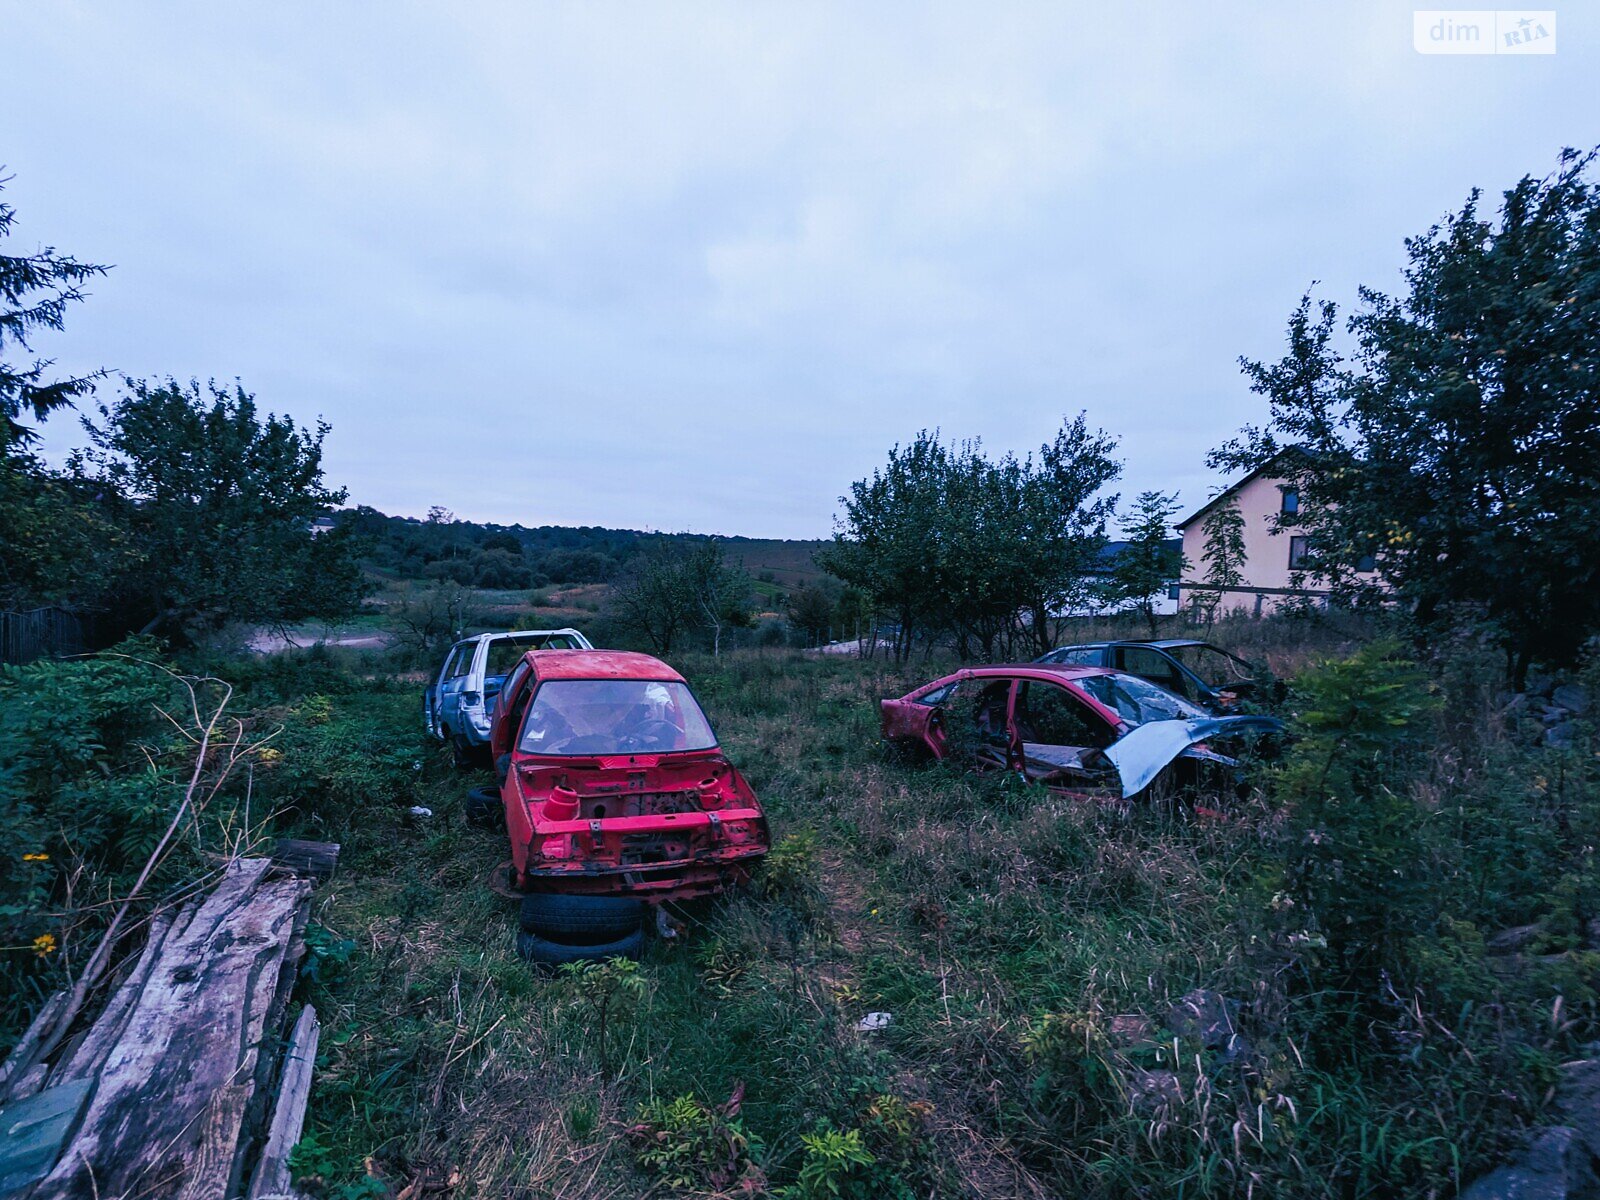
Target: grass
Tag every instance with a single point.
(1014, 937)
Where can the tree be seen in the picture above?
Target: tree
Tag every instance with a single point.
(721, 593)
(945, 540)
(679, 586)
(55, 542)
(1149, 562)
(35, 290)
(1224, 555)
(810, 610)
(219, 503)
(1456, 453)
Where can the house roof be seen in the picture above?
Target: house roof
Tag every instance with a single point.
(1265, 468)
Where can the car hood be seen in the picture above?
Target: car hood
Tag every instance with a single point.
(1145, 751)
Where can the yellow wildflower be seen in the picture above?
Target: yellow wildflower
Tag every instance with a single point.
(35, 858)
(44, 945)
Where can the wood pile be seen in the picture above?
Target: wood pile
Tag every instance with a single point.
(187, 1084)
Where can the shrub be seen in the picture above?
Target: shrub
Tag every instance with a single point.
(687, 1144)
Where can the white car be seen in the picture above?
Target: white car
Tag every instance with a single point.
(459, 706)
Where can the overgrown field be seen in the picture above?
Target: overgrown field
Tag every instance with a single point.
(1030, 951)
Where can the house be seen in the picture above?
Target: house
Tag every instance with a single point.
(1098, 575)
(1272, 571)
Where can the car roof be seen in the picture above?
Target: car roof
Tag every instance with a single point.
(1035, 670)
(520, 633)
(599, 664)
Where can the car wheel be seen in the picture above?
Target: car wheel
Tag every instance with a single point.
(580, 918)
(542, 950)
(483, 808)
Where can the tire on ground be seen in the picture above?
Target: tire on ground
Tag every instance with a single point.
(580, 919)
(483, 807)
(542, 950)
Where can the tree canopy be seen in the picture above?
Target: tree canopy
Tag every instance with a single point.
(944, 539)
(1458, 448)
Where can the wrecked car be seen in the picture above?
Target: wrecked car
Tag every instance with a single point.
(616, 796)
(458, 707)
(1086, 731)
(1195, 670)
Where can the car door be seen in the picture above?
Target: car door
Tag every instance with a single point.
(1060, 736)
(985, 706)
(452, 682)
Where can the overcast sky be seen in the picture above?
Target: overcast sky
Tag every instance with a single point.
(698, 266)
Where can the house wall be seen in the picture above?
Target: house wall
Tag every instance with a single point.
(1266, 553)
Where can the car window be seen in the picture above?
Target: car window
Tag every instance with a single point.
(1217, 668)
(461, 661)
(614, 716)
(1081, 656)
(939, 695)
(1153, 665)
(1137, 702)
(1051, 715)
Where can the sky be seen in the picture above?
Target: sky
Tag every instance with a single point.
(699, 266)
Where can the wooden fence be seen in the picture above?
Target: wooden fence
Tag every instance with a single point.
(39, 633)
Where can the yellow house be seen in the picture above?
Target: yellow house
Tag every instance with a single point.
(1272, 559)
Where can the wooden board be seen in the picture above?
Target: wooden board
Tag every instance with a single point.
(171, 1113)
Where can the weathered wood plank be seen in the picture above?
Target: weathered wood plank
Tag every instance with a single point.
(12, 1085)
(310, 860)
(87, 1057)
(160, 1114)
(271, 1176)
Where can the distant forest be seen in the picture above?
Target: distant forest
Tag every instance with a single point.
(484, 555)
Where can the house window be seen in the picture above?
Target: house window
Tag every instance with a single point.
(1291, 500)
(1298, 548)
(1366, 563)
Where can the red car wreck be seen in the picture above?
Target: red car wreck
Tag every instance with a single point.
(1083, 730)
(614, 785)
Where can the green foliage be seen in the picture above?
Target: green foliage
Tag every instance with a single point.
(1355, 860)
(1148, 564)
(607, 991)
(219, 503)
(1457, 449)
(1225, 558)
(677, 588)
(835, 1164)
(686, 1144)
(322, 1171)
(944, 540)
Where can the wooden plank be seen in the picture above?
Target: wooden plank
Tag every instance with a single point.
(86, 1058)
(309, 860)
(160, 1115)
(33, 1132)
(13, 1087)
(271, 1176)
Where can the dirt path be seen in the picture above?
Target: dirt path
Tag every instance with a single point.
(271, 641)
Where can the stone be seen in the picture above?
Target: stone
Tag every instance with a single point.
(1207, 1017)
(1573, 697)
(1562, 736)
(1555, 1166)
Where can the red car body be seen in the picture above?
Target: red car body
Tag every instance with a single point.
(594, 810)
(1086, 731)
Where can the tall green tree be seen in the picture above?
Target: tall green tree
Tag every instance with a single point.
(1149, 563)
(945, 540)
(679, 587)
(1224, 556)
(219, 500)
(1456, 451)
(54, 540)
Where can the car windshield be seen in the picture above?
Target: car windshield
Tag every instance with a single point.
(1216, 668)
(1136, 701)
(614, 716)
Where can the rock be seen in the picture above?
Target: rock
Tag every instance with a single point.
(1578, 1100)
(1207, 1017)
(1573, 697)
(1131, 1029)
(1562, 736)
(1556, 1166)
(1518, 937)
(1554, 715)
(1540, 685)
(1151, 1089)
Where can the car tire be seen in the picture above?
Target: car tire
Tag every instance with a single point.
(580, 918)
(484, 808)
(536, 949)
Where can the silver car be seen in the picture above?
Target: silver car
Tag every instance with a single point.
(459, 706)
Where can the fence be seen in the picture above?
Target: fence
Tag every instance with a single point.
(39, 633)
